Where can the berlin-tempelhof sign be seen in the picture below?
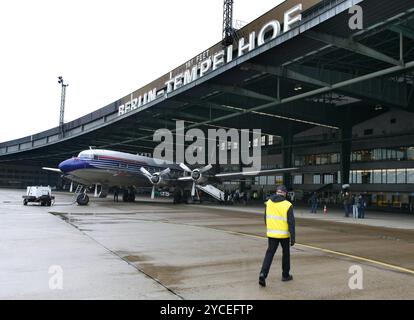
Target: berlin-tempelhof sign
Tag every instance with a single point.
(217, 59)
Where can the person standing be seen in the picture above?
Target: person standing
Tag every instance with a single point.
(354, 204)
(314, 203)
(362, 204)
(116, 195)
(346, 203)
(280, 223)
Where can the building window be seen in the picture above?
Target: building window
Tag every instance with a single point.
(270, 141)
(401, 176)
(377, 155)
(334, 158)
(410, 176)
(316, 179)
(328, 178)
(391, 176)
(299, 161)
(356, 177)
(271, 181)
(376, 177)
(410, 153)
(263, 141)
(279, 180)
(298, 179)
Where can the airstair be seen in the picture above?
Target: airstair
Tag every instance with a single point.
(212, 191)
(78, 191)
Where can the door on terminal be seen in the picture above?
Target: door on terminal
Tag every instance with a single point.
(381, 200)
(396, 201)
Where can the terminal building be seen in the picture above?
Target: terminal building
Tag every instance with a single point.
(382, 162)
(332, 99)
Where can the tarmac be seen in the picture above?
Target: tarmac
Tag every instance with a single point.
(156, 250)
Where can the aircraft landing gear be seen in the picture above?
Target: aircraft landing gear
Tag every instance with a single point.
(82, 199)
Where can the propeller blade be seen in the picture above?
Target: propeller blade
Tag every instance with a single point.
(146, 173)
(165, 172)
(153, 193)
(206, 168)
(185, 168)
(193, 189)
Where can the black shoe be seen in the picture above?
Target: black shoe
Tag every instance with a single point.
(289, 278)
(262, 280)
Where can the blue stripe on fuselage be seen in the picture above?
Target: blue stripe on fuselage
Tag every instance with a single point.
(73, 164)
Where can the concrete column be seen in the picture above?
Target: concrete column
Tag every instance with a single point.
(288, 156)
(346, 148)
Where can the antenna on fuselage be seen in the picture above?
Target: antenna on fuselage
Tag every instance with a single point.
(91, 147)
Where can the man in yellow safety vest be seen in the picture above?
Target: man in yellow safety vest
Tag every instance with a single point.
(280, 223)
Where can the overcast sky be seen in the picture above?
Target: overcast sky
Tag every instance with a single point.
(103, 49)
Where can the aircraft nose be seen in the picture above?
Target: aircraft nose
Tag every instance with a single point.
(70, 165)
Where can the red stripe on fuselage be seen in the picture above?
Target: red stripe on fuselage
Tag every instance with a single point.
(120, 159)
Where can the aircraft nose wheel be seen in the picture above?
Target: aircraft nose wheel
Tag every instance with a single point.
(82, 199)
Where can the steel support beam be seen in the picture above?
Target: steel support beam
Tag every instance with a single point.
(284, 73)
(405, 31)
(300, 117)
(241, 92)
(316, 92)
(351, 45)
(381, 90)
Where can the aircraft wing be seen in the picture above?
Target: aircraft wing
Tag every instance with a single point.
(185, 179)
(240, 175)
(52, 169)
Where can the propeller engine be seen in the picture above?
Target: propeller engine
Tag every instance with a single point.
(196, 175)
(155, 178)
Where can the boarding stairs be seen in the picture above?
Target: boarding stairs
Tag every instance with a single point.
(78, 191)
(212, 191)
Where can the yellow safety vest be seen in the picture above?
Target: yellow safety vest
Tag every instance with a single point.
(277, 219)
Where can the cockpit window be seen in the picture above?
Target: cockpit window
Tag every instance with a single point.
(83, 155)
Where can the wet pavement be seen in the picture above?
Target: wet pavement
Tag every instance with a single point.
(155, 250)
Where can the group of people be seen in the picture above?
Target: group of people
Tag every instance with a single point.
(352, 204)
(355, 205)
(235, 196)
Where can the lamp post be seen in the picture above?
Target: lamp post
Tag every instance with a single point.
(62, 105)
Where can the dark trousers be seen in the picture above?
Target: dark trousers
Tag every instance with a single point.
(271, 250)
(347, 210)
(361, 213)
(314, 207)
